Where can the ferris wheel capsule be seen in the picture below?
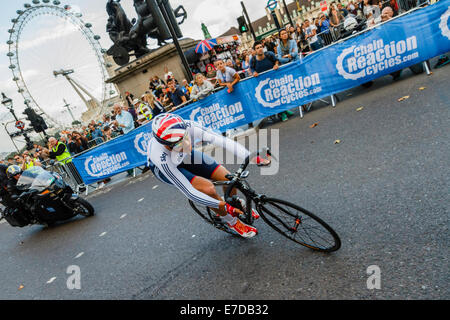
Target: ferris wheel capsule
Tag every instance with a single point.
(27, 5)
(36, 1)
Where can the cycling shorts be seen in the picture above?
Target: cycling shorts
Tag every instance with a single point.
(198, 164)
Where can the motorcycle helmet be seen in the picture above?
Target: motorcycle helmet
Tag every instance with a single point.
(350, 24)
(13, 171)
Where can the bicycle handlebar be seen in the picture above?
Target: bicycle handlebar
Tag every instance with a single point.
(234, 178)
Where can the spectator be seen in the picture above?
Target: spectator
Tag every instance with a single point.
(246, 65)
(59, 151)
(391, 3)
(371, 11)
(324, 29)
(287, 49)
(96, 133)
(270, 45)
(154, 104)
(143, 110)
(238, 65)
(201, 88)
(155, 83)
(80, 143)
(186, 87)
(264, 61)
(302, 43)
(176, 94)
(210, 71)
(292, 34)
(311, 36)
(342, 10)
(124, 119)
(167, 74)
(352, 8)
(226, 76)
(336, 19)
(108, 133)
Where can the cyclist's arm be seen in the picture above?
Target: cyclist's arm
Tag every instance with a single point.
(218, 140)
(174, 175)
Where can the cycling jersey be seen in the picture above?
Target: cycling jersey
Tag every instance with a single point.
(176, 168)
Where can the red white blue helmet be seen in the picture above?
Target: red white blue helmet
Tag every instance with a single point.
(168, 128)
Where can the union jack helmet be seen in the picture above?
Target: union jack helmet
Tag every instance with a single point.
(168, 128)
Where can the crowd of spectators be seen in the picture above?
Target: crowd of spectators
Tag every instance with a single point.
(166, 94)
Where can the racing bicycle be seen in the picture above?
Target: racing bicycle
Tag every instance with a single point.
(290, 220)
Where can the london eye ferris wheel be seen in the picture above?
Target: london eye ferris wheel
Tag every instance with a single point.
(48, 39)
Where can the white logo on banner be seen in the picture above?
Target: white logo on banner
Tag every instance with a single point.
(444, 24)
(141, 142)
(105, 164)
(217, 116)
(359, 61)
(272, 93)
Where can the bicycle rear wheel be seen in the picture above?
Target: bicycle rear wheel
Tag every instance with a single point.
(299, 225)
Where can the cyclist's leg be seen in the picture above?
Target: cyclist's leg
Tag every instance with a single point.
(204, 166)
(201, 184)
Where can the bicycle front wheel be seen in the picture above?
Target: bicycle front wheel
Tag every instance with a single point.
(299, 225)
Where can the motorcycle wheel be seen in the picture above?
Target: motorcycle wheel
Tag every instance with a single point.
(84, 208)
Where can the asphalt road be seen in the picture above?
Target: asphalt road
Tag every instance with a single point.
(384, 188)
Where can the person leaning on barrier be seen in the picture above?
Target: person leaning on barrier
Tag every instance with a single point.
(287, 49)
(59, 151)
(124, 119)
(226, 76)
(176, 94)
(264, 61)
(311, 35)
(201, 88)
(143, 111)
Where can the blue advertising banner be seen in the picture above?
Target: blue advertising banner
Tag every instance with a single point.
(384, 49)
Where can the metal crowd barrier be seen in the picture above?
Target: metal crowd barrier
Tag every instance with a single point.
(68, 172)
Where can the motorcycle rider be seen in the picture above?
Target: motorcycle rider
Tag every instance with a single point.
(8, 179)
(13, 173)
(4, 195)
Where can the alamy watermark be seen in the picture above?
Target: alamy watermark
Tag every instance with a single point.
(74, 280)
(374, 279)
(225, 150)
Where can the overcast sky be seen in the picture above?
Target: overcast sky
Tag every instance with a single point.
(49, 43)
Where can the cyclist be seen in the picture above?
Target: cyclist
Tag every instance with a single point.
(173, 160)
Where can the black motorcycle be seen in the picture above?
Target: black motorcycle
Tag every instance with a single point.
(45, 200)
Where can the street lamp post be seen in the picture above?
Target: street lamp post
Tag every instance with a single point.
(8, 103)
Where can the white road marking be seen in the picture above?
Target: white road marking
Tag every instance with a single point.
(102, 234)
(79, 255)
(51, 280)
(193, 236)
(155, 187)
(140, 200)
(123, 216)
